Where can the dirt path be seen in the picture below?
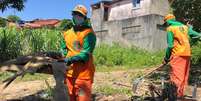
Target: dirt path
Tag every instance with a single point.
(113, 80)
(23, 89)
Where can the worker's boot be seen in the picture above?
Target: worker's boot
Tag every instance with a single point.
(172, 92)
(169, 92)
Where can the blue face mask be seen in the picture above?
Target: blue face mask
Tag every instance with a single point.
(78, 20)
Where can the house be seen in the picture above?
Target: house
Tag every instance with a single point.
(130, 22)
(39, 23)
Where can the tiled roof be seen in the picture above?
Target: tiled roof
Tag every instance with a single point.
(42, 22)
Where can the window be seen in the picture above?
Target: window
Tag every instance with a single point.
(136, 3)
(105, 14)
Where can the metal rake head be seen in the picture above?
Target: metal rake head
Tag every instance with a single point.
(136, 84)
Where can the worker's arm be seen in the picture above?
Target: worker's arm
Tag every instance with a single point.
(194, 36)
(170, 42)
(63, 47)
(193, 33)
(88, 47)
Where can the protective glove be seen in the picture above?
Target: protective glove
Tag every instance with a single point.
(199, 37)
(165, 61)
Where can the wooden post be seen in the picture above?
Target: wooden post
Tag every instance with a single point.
(60, 91)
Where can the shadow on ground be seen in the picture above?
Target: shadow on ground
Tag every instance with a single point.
(39, 96)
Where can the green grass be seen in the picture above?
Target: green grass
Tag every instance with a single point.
(14, 42)
(196, 53)
(108, 90)
(27, 77)
(5, 75)
(116, 57)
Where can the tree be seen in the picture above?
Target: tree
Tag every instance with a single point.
(65, 24)
(13, 18)
(2, 22)
(15, 4)
(188, 11)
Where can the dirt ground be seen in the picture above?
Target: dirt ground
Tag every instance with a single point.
(30, 90)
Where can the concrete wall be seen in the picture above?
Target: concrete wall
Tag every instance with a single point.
(132, 26)
(139, 31)
(160, 7)
(124, 9)
(97, 17)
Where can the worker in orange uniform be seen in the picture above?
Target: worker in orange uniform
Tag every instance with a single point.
(178, 52)
(78, 45)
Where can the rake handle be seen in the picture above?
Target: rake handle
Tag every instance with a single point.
(161, 65)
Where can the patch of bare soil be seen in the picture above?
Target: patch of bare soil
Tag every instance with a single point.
(22, 89)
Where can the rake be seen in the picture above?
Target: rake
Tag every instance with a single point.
(139, 80)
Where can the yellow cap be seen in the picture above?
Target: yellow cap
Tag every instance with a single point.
(168, 17)
(81, 9)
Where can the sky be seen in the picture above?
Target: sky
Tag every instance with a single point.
(48, 9)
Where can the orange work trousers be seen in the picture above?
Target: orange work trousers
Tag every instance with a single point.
(179, 73)
(79, 89)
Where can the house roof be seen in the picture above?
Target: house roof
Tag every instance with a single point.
(108, 2)
(31, 25)
(46, 22)
(38, 23)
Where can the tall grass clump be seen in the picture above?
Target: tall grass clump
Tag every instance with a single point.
(116, 55)
(196, 54)
(42, 39)
(9, 43)
(15, 42)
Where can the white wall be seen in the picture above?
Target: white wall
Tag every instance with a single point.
(124, 9)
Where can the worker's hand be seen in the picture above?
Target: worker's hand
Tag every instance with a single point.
(160, 68)
(189, 24)
(165, 61)
(199, 37)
